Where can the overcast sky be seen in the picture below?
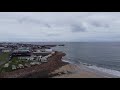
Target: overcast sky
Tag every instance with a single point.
(60, 26)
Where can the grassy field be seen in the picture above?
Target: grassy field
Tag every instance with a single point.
(4, 56)
(15, 61)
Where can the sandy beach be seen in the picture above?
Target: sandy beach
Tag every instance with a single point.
(73, 71)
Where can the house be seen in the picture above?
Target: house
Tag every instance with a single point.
(20, 66)
(30, 58)
(6, 65)
(43, 59)
(21, 52)
(2, 48)
(6, 50)
(13, 67)
(32, 63)
(27, 65)
(38, 58)
(48, 50)
(23, 58)
(41, 53)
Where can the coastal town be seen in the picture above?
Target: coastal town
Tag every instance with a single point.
(17, 56)
(59, 44)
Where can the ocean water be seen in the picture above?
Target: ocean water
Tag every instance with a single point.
(103, 56)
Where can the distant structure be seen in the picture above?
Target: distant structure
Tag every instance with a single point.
(21, 52)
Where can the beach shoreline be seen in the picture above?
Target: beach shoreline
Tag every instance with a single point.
(57, 68)
(81, 71)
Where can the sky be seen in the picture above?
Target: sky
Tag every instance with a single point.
(59, 26)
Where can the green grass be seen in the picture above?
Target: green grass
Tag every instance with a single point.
(2, 69)
(15, 61)
(4, 56)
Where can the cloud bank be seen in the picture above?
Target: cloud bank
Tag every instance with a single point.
(60, 26)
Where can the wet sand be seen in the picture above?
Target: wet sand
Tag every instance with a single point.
(73, 71)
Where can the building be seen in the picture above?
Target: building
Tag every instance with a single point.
(21, 52)
(41, 53)
(48, 50)
(43, 59)
(1, 48)
(6, 50)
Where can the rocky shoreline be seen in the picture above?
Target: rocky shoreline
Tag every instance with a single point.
(38, 71)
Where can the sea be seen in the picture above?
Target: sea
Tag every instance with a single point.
(102, 56)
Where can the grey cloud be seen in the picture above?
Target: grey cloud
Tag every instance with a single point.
(28, 20)
(41, 26)
(34, 21)
(100, 24)
(24, 20)
(53, 34)
(78, 28)
(47, 25)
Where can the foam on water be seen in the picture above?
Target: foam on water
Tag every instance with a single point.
(105, 70)
(66, 61)
(100, 69)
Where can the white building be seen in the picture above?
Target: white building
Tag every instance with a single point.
(20, 66)
(13, 67)
(23, 58)
(43, 59)
(6, 65)
(6, 50)
(1, 48)
(48, 50)
(39, 58)
(32, 63)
